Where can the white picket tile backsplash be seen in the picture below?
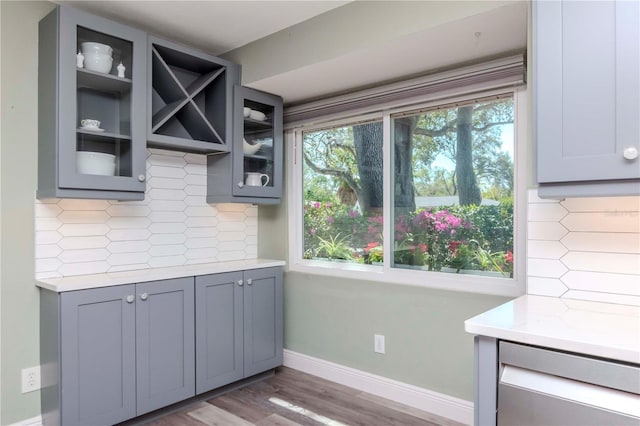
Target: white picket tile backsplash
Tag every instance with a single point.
(172, 226)
(547, 286)
(584, 248)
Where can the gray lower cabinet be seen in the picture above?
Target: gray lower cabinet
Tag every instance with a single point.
(113, 353)
(239, 329)
(165, 343)
(587, 97)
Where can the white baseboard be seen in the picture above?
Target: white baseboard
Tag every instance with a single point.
(440, 404)
(35, 421)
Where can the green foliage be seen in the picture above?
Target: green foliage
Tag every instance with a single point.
(459, 237)
(334, 248)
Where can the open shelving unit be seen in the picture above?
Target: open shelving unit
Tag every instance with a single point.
(190, 99)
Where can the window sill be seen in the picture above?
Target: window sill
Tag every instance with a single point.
(510, 287)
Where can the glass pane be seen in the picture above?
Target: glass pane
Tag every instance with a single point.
(257, 144)
(453, 189)
(343, 193)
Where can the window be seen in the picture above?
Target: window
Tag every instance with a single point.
(425, 195)
(343, 193)
(453, 188)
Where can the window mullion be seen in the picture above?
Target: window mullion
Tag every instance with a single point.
(387, 161)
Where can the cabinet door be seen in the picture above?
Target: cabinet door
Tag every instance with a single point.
(164, 343)
(97, 356)
(218, 330)
(257, 150)
(119, 103)
(262, 320)
(587, 88)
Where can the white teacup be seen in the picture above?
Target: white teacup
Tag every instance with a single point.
(256, 179)
(90, 123)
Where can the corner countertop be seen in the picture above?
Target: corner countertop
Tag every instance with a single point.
(592, 328)
(83, 282)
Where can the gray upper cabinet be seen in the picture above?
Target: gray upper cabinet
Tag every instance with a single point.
(587, 97)
(69, 94)
(238, 326)
(190, 98)
(253, 172)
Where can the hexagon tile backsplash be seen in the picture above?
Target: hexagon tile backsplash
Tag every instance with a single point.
(584, 248)
(172, 226)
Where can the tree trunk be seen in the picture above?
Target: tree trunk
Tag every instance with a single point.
(367, 140)
(468, 190)
(405, 200)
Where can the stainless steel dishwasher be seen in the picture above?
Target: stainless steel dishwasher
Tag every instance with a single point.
(543, 387)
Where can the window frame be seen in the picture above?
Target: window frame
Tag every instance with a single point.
(514, 286)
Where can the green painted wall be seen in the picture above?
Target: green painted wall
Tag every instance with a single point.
(18, 170)
(335, 319)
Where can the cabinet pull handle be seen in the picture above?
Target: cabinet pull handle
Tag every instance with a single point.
(240, 283)
(249, 281)
(144, 296)
(240, 184)
(141, 178)
(130, 298)
(630, 153)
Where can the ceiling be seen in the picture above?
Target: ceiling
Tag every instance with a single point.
(220, 26)
(213, 26)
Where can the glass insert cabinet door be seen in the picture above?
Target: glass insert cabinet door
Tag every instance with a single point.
(102, 104)
(257, 167)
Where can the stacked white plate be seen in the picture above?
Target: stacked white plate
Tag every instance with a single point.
(95, 163)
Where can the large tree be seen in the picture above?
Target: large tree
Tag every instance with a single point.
(468, 135)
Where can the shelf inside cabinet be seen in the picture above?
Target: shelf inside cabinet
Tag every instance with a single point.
(100, 81)
(104, 135)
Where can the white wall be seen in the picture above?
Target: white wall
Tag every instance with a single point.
(172, 226)
(584, 248)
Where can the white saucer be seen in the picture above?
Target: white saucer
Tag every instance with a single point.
(92, 129)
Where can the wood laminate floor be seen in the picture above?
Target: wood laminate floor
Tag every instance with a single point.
(293, 398)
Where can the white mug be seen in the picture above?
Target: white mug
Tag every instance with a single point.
(255, 179)
(88, 122)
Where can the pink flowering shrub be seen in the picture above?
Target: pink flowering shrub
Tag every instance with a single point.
(459, 237)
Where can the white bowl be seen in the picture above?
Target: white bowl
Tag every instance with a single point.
(89, 47)
(95, 163)
(257, 115)
(98, 62)
(249, 149)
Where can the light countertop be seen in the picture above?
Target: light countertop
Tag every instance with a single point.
(82, 282)
(593, 328)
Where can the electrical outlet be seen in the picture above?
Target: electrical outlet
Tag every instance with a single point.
(378, 344)
(30, 379)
